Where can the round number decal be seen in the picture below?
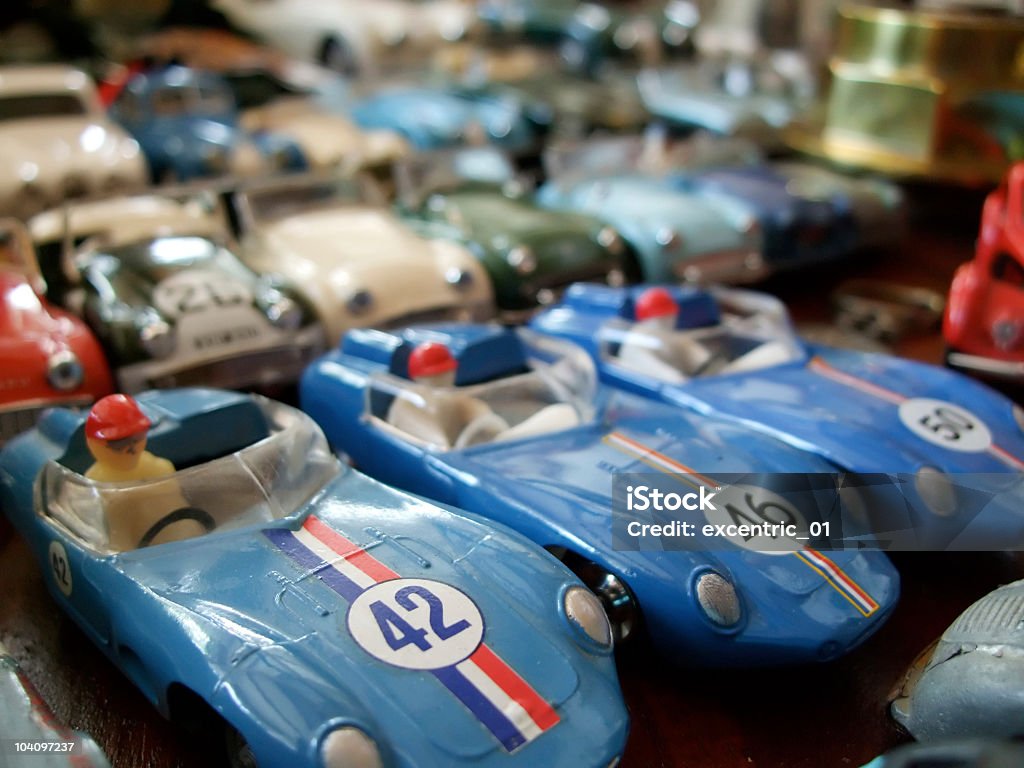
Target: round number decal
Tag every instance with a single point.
(945, 424)
(757, 519)
(198, 291)
(60, 568)
(416, 623)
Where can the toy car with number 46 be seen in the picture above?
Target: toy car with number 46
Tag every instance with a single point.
(262, 588)
(733, 355)
(523, 437)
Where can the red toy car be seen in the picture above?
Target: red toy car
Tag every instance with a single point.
(984, 322)
(47, 357)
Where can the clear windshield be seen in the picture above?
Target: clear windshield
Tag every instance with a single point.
(555, 392)
(268, 480)
(41, 105)
(754, 333)
(446, 171)
(279, 201)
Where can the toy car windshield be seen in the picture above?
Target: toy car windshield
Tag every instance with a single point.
(270, 479)
(17, 254)
(24, 107)
(554, 391)
(288, 198)
(422, 176)
(191, 99)
(754, 333)
(160, 257)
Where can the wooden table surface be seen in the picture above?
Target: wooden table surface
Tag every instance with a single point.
(820, 716)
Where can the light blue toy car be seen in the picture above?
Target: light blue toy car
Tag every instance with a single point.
(525, 438)
(187, 123)
(324, 619)
(730, 354)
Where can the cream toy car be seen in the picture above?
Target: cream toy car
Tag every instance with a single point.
(56, 142)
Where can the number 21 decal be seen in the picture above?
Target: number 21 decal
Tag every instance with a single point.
(416, 623)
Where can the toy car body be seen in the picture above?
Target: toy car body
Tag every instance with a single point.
(25, 718)
(735, 356)
(959, 753)
(984, 320)
(275, 621)
(170, 301)
(545, 468)
(530, 253)
(57, 142)
(807, 214)
(674, 234)
(354, 260)
(350, 36)
(47, 356)
(187, 123)
(437, 114)
(969, 683)
(536, 20)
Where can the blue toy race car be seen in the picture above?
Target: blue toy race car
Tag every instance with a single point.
(525, 438)
(322, 619)
(733, 355)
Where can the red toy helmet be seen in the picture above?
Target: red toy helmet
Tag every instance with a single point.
(430, 359)
(115, 417)
(655, 302)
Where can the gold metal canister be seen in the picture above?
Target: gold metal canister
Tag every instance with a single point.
(921, 93)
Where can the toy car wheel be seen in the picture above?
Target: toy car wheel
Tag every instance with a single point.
(239, 753)
(337, 56)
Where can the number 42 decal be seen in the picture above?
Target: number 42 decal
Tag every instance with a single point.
(416, 623)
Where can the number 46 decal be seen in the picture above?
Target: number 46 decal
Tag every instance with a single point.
(416, 623)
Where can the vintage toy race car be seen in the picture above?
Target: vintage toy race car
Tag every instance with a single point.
(524, 439)
(187, 122)
(984, 320)
(353, 259)
(968, 684)
(35, 736)
(57, 142)
(676, 234)
(172, 304)
(530, 253)
(47, 356)
(322, 619)
(733, 355)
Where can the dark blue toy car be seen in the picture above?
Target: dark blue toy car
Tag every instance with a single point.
(187, 123)
(525, 438)
(323, 619)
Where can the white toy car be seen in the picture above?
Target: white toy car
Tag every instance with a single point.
(56, 142)
(355, 261)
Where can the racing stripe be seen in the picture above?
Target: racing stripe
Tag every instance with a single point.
(831, 372)
(485, 684)
(828, 570)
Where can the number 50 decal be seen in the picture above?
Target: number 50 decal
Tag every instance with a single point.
(945, 424)
(416, 623)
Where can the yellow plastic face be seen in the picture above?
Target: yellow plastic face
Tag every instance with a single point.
(121, 455)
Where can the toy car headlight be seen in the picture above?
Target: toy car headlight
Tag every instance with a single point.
(934, 488)
(459, 278)
(283, 311)
(668, 239)
(610, 239)
(584, 611)
(1018, 416)
(522, 259)
(718, 599)
(348, 747)
(64, 370)
(157, 337)
(359, 303)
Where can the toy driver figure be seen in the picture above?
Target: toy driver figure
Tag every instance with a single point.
(115, 433)
(437, 412)
(653, 346)
(138, 513)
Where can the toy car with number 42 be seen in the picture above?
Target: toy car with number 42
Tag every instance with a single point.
(315, 616)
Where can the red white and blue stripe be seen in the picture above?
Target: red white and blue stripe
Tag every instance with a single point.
(487, 686)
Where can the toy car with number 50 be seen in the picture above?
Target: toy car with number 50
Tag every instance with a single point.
(733, 355)
(524, 438)
(317, 618)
